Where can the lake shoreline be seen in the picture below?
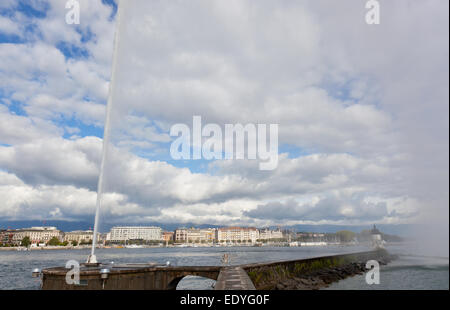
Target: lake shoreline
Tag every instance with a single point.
(83, 247)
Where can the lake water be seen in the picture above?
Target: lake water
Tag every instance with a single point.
(408, 272)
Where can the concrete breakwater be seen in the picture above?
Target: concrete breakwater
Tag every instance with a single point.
(309, 273)
(321, 278)
(313, 273)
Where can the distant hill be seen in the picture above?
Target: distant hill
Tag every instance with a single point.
(400, 229)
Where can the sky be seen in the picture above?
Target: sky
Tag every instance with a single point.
(362, 111)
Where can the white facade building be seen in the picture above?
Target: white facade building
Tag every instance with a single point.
(80, 236)
(37, 234)
(180, 235)
(237, 234)
(193, 235)
(124, 233)
(267, 234)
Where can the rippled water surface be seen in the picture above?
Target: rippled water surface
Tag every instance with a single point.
(408, 272)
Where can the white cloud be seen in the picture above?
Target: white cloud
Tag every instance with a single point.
(17, 129)
(7, 26)
(54, 161)
(22, 201)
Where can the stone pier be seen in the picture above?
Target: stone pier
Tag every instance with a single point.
(270, 275)
(233, 278)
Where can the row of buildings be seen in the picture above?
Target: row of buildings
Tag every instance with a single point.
(123, 234)
(145, 234)
(193, 235)
(42, 235)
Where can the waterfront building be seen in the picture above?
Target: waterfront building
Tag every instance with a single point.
(208, 234)
(237, 234)
(37, 234)
(200, 235)
(311, 237)
(180, 235)
(377, 240)
(102, 237)
(167, 236)
(124, 233)
(194, 235)
(288, 234)
(80, 236)
(6, 236)
(267, 234)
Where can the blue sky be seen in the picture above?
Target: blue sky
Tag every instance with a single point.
(31, 34)
(79, 52)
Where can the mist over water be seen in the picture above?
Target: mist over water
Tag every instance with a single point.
(430, 239)
(429, 175)
(410, 271)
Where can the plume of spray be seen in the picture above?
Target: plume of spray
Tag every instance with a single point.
(431, 183)
(106, 134)
(428, 132)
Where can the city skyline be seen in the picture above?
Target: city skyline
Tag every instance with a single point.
(41, 236)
